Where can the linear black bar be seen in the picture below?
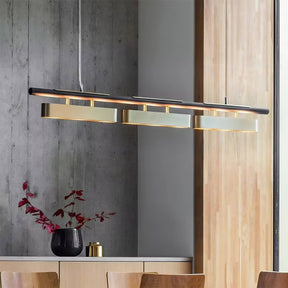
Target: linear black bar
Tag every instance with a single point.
(143, 100)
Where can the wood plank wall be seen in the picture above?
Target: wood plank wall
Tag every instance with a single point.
(39, 48)
(233, 172)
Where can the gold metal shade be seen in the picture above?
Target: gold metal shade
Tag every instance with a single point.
(80, 113)
(150, 118)
(225, 123)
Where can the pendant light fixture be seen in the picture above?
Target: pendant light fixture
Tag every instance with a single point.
(163, 118)
(145, 117)
(204, 122)
(76, 112)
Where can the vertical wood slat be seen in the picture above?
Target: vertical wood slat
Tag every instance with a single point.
(237, 168)
(251, 81)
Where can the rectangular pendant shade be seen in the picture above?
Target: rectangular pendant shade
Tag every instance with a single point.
(150, 118)
(80, 113)
(225, 124)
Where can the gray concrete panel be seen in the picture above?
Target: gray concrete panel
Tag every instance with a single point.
(39, 47)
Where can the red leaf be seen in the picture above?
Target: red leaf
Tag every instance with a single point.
(31, 195)
(39, 221)
(79, 198)
(79, 226)
(80, 218)
(50, 227)
(79, 192)
(101, 219)
(36, 213)
(59, 212)
(72, 214)
(23, 202)
(31, 209)
(25, 185)
(69, 223)
(43, 217)
(102, 213)
(113, 213)
(72, 203)
(69, 195)
(57, 227)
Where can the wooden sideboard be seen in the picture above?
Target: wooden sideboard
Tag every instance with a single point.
(87, 271)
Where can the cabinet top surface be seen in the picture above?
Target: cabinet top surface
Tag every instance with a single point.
(96, 259)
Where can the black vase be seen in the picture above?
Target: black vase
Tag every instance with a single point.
(67, 242)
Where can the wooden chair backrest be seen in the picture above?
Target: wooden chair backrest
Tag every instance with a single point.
(124, 279)
(273, 279)
(29, 280)
(172, 281)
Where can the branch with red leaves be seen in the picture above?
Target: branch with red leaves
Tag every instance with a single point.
(37, 213)
(76, 220)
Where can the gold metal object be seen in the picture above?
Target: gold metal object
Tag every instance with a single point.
(95, 249)
(225, 124)
(80, 113)
(150, 118)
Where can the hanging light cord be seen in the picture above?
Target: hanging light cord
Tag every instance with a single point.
(80, 48)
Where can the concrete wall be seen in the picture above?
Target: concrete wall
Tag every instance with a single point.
(283, 203)
(165, 155)
(39, 48)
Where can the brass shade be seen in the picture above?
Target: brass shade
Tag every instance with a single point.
(225, 124)
(150, 118)
(80, 113)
